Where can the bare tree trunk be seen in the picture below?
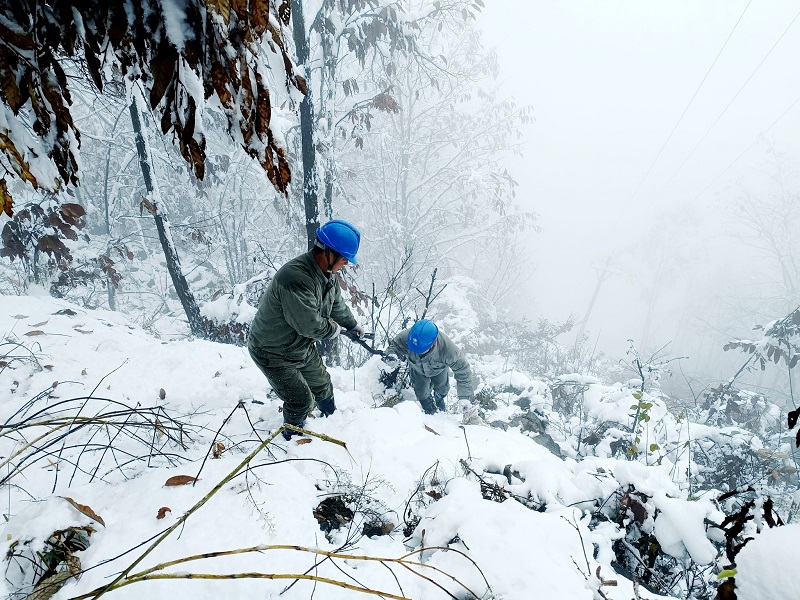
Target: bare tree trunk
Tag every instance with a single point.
(182, 289)
(310, 201)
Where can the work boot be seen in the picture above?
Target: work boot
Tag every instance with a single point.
(326, 406)
(288, 433)
(439, 400)
(428, 407)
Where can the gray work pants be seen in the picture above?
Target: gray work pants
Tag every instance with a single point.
(440, 383)
(299, 384)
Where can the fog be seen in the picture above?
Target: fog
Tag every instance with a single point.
(644, 159)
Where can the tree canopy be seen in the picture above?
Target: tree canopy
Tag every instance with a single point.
(182, 53)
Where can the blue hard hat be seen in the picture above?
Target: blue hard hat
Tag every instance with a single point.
(422, 335)
(341, 237)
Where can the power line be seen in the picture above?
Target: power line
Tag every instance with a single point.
(697, 145)
(758, 139)
(683, 114)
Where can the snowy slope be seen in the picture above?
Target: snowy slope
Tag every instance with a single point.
(520, 552)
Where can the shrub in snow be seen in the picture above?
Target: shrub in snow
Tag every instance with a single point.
(727, 406)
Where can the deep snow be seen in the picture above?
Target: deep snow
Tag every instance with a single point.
(522, 553)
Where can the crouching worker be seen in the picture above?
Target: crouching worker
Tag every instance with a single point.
(303, 304)
(429, 354)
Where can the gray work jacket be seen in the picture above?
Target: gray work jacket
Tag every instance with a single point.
(444, 354)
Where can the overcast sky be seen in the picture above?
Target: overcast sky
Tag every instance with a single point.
(609, 80)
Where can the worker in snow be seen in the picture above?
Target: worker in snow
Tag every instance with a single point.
(429, 354)
(303, 304)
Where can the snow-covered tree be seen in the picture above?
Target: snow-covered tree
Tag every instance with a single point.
(183, 54)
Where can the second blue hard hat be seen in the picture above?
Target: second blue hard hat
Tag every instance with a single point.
(342, 237)
(422, 335)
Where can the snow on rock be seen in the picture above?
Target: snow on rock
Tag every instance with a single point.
(514, 379)
(765, 567)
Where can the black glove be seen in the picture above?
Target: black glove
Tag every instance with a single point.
(326, 406)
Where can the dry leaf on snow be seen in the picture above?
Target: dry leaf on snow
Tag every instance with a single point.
(219, 448)
(86, 511)
(180, 480)
(303, 441)
(162, 512)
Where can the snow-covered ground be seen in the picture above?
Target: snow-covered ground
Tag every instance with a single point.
(394, 466)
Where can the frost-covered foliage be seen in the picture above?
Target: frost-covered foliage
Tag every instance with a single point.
(181, 53)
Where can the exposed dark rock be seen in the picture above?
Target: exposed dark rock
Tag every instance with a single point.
(548, 442)
(529, 422)
(523, 403)
(377, 528)
(332, 513)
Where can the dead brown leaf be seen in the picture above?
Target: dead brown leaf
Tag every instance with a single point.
(219, 448)
(303, 441)
(6, 200)
(180, 480)
(20, 317)
(35, 333)
(82, 508)
(146, 204)
(162, 512)
(162, 394)
(74, 565)
(38, 324)
(48, 367)
(431, 430)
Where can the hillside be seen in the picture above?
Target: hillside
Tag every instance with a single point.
(98, 411)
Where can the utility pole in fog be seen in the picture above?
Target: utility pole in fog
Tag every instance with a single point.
(603, 273)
